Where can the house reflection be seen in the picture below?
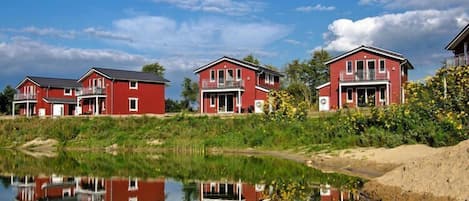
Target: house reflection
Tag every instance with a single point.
(328, 193)
(56, 188)
(225, 191)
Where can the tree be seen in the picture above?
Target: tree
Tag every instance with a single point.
(172, 105)
(155, 68)
(6, 99)
(190, 91)
(252, 59)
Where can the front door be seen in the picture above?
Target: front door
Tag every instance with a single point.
(225, 103)
(58, 109)
(366, 97)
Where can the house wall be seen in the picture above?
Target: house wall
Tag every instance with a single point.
(151, 96)
(392, 66)
(250, 79)
(146, 191)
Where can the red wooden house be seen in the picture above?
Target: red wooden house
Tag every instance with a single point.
(111, 91)
(364, 76)
(229, 85)
(459, 45)
(45, 96)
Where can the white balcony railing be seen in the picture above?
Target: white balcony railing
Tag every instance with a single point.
(363, 76)
(91, 91)
(458, 60)
(23, 96)
(227, 84)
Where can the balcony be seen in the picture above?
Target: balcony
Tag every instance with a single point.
(23, 96)
(91, 91)
(361, 76)
(458, 60)
(228, 84)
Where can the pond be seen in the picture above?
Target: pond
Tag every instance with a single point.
(92, 176)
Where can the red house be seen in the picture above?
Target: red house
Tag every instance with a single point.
(459, 46)
(111, 91)
(365, 76)
(45, 96)
(229, 85)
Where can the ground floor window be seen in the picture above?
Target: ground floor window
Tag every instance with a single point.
(133, 104)
(382, 94)
(212, 100)
(349, 95)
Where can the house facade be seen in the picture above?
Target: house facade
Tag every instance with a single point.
(459, 45)
(365, 76)
(229, 85)
(45, 96)
(111, 91)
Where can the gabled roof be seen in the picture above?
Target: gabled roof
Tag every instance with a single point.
(323, 85)
(125, 75)
(458, 39)
(239, 62)
(376, 50)
(51, 82)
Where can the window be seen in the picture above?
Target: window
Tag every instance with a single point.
(229, 74)
(133, 199)
(382, 67)
(238, 74)
(133, 184)
(349, 67)
(272, 79)
(212, 100)
(382, 94)
(349, 95)
(67, 92)
(133, 104)
(212, 76)
(133, 85)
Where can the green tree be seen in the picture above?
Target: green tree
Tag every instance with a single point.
(190, 91)
(155, 68)
(173, 105)
(252, 59)
(6, 99)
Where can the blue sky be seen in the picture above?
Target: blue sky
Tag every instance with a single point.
(65, 38)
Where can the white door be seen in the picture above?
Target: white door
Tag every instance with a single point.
(58, 109)
(323, 103)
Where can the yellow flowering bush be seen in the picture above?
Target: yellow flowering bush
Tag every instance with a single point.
(281, 105)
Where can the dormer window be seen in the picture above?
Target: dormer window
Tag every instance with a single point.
(133, 85)
(67, 92)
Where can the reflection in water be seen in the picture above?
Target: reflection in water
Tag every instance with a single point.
(169, 177)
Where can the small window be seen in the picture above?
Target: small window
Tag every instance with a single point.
(133, 199)
(229, 74)
(349, 67)
(67, 92)
(133, 184)
(382, 66)
(212, 100)
(349, 95)
(238, 74)
(133, 104)
(212, 76)
(133, 85)
(382, 94)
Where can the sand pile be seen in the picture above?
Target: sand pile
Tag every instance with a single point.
(445, 173)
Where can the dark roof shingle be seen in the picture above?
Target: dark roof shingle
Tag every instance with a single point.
(130, 75)
(54, 82)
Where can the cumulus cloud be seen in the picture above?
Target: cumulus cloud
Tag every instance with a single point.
(42, 32)
(106, 34)
(317, 7)
(229, 7)
(418, 4)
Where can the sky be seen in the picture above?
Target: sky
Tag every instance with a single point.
(56, 38)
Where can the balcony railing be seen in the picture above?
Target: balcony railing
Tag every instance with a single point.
(91, 91)
(458, 60)
(23, 96)
(363, 76)
(228, 84)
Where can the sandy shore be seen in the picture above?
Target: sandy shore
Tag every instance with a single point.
(409, 172)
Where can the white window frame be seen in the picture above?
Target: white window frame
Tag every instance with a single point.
(351, 67)
(133, 188)
(233, 77)
(238, 74)
(272, 79)
(379, 66)
(130, 85)
(133, 199)
(212, 97)
(136, 104)
(70, 92)
(381, 93)
(214, 78)
(349, 100)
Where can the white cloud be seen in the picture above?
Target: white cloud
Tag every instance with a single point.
(416, 34)
(418, 4)
(317, 7)
(106, 34)
(229, 7)
(43, 32)
(293, 42)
